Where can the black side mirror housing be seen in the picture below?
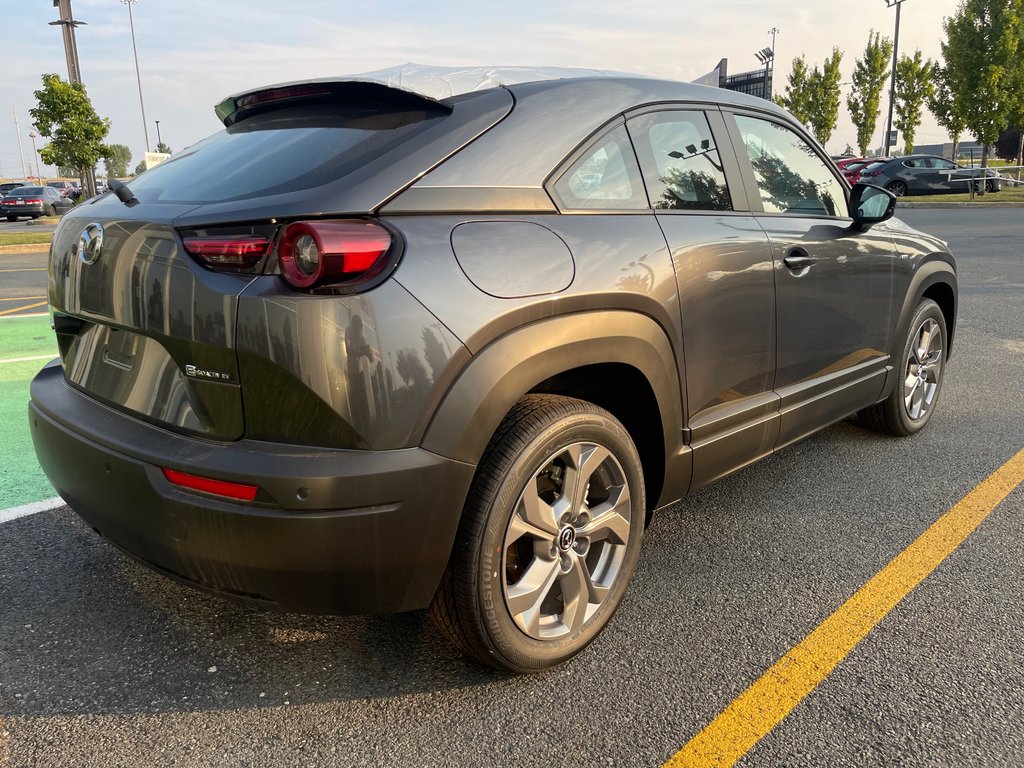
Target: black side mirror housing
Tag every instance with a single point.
(870, 204)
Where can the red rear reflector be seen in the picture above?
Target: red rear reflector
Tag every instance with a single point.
(318, 252)
(238, 251)
(279, 94)
(209, 485)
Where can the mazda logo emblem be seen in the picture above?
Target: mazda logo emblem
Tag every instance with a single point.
(90, 243)
(566, 538)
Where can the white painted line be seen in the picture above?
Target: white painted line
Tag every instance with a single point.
(27, 359)
(6, 515)
(19, 317)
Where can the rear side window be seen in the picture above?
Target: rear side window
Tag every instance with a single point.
(282, 151)
(605, 177)
(681, 164)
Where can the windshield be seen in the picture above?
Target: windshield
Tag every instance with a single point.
(280, 151)
(25, 191)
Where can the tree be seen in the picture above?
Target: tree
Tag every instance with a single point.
(64, 114)
(913, 87)
(117, 160)
(140, 168)
(869, 74)
(797, 98)
(825, 97)
(981, 55)
(1015, 108)
(161, 147)
(944, 107)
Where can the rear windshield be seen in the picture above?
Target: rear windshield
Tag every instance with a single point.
(25, 191)
(281, 151)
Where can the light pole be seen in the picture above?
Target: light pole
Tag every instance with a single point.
(159, 141)
(21, 153)
(138, 74)
(68, 25)
(892, 86)
(35, 153)
(766, 56)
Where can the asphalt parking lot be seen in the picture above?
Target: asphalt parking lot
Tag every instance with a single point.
(104, 663)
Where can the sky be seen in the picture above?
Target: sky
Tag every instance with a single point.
(192, 53)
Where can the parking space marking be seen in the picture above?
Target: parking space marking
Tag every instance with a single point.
(25, 269)
(756, 711)
(23, 298)
(27, 359)
(19, 309)
(13, 513)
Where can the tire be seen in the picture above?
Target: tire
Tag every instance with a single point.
(910, 405)
(484, 604)
(53, 211)
(898, 188)
(990, 186)
(12, 218)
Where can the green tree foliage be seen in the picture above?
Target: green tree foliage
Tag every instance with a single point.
(797, 98)
(161, 147)
(825, 97)
(913, 87)
(64, 114)
(981, 58)
(117, 160)
(140, 168)
(943, 105)
(869, 75)
(812, 95)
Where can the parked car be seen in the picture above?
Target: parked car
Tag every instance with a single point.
(330, 381)
(32, 202)
(66, 188)
(7, 186)
(927, 175)
(851, 167)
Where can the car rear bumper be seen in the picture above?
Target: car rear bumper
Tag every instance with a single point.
(21, 210)
(330, 531)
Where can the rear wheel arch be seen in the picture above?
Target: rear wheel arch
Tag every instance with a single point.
(622, 361)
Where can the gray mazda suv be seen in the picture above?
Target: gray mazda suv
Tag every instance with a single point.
(373, 350)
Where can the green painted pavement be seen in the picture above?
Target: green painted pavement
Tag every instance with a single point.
(21, 479)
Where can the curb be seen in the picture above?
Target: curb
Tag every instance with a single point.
(26, 248)
(959, 205)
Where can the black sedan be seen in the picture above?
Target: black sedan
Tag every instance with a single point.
(928, 175)
(33, 202)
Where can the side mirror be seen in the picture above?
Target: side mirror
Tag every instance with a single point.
(870, 205)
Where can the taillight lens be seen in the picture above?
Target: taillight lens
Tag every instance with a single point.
(280, 94)
(32, 201)
(318, 252)
(239, 491)
(232, 251)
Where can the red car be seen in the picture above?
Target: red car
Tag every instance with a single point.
(852, 166)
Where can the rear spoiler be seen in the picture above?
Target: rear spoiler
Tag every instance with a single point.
(241, 105)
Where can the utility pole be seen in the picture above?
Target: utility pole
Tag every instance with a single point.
(21, 152)
(159, 141)
(892, 86)
(35, 154)
(770, 85)
(138, 74)
(68, 25)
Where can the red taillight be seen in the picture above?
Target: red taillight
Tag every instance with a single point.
(209, 485)
(235, 251)
(32, 201)
(317, 252)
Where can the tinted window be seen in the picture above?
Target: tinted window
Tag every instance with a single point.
(26, 192)
(790, 175)
(277, 152)
(604, 178)
(681, 164)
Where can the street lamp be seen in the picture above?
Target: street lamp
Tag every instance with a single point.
(68, 25)
(138, 74)
(35, 153)
(766, 56)
(892, 86)
(159, 141)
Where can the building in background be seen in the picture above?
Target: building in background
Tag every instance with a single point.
(757, 82)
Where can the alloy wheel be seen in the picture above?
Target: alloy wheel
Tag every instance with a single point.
(566, 541)
(923, 370)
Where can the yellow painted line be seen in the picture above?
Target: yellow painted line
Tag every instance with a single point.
(18, 309)
(766, 703)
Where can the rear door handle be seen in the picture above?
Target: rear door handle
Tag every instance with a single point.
(797, 263)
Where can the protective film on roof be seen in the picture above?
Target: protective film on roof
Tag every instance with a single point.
(445, 82)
